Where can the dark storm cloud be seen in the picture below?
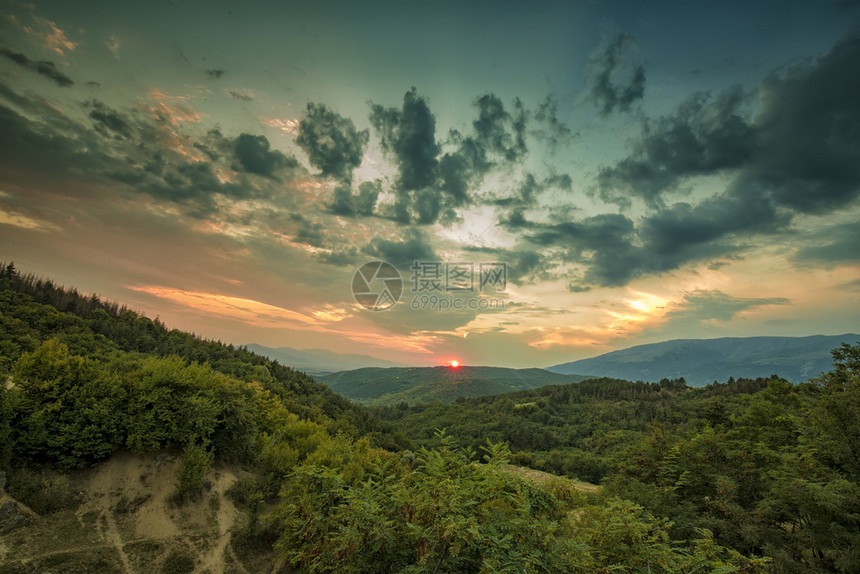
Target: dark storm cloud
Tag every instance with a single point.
(193, 185)
(429, 185)
(614, 250)
(414, 247)
(254, 155)
(799, 154)
(238, 96)
(604, 243)
(331, 141)
(832, 246)
(126, 147)
(499, 131)
(808, 132)
(215, 74)
(555, 130)
(702, 305)
(522, 265)
(702, 136)
(207, 151)
(409, 134)
(427, 188)
(618, 80)
(346, 203)
(802, 148)
(309, 232)
(108, 121)
(44, 146)
(712, 228)
(527, 192)
(43, 67)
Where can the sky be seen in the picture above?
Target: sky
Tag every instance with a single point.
(501, 183)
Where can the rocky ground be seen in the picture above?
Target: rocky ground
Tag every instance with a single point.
(123, 520)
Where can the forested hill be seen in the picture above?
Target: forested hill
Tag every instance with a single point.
(390, 386)
(703, 361)
(35, 310)
(755, 476)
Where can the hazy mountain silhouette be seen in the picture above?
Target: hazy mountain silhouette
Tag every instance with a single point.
(703, 361)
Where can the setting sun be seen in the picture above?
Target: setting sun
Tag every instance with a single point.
(455, 364)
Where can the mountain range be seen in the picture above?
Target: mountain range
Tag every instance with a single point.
(703, 361)
(390, 386)
(319, 362)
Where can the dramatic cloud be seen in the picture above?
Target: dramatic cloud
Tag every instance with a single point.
(331, 141)
(414, 247)
(409, 135)
(556, 131)
(43, 67)
(51, 145)
(144, 153)
(362, 203)
(45, 32)
(310, 232)
(108, 121)
(615, 251)
(618, 80)
(604, 243)
(498, 131)
(527, 193)
(702, 136)
(801, 149)
(685, 233)
(254, 155)
(808, 132)
(832, 246)
(429, 186)
(699, 305)
(521, 265)
(239, 96)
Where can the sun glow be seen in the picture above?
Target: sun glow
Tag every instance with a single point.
(454, 364)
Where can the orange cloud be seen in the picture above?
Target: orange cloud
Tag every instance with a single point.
(255, 313)
(49, 34)
(167, 108)
(285, 125)
(113, 45)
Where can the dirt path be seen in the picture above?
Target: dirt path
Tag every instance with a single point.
(113, 536)
(127, 521)
(225, 518)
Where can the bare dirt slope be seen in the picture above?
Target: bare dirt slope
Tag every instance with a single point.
(126, 523)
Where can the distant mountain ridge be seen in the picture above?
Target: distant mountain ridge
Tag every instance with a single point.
(703, 361)
(390, 386)
(319, 361)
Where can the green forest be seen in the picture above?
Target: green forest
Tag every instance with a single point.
(742, 476)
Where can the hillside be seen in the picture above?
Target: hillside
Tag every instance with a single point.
(119, 517)
(318, 362)
(703, 361)
(129, 447)
(390, 386)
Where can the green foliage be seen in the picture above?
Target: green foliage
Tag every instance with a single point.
(450, 514)
(191, 474)
(64, 407)
(693, 480)
(415, 385)
(42, 491)
(178, 562)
